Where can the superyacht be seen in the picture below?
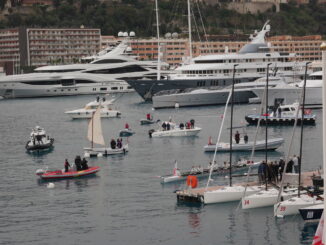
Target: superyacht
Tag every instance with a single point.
(217, 70)
(106, 74)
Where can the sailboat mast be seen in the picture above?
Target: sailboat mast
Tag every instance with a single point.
(266, 126)
(231, 131)
(323, 49)
(302, 118)
(189, 30)
(158, 42)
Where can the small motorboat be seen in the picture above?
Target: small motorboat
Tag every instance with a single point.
(312, 213)
(126, 132)
(272, 144)
(170, 129)
(148, 121)
(39, 141)
(61, 174)
(283, 115)
(90, 108)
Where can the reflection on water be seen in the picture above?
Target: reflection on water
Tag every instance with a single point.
(307, 232)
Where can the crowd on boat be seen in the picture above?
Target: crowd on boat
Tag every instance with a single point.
(237, 138)
(170, 125)
(80, 164)
(116, 144)
(272, 171)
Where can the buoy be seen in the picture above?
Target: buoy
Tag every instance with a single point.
(99, 155)
(176, 105)
(50, 185)
(87, 154)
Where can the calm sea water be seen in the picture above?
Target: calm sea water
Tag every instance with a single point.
(125, 202)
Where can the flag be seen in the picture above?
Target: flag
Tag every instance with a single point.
(319, 238)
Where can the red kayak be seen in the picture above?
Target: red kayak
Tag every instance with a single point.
(59, 174)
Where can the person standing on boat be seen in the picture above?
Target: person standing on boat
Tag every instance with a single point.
(295, 160)
(237, 137)
(164, 126)
(119, 143)
(245, 138)
(84, 164)
(67, 166)
(148, 116)
(168, 126)
(192, 123)
(261, 172)
(126, 126)
(113, 144)
(281, 165)
(78, 163)
(289, 167)
(279, 111)
(181, 126)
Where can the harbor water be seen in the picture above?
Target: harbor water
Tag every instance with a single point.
(125, 202)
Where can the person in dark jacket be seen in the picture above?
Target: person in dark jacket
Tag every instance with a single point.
(113, 144)
(78, 163)
(281, 165)
(84, 164)
(289, 167)
(67, 165)
(245, 138)
(237, 137)
(261, 173)
(192, 123)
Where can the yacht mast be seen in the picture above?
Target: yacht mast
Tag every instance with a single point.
(189, 30)
(158, 42)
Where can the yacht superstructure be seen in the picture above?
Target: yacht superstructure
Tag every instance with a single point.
(217, 70)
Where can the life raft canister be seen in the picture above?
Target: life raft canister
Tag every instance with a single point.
(192, 181)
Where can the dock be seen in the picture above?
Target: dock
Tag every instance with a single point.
(197, 194)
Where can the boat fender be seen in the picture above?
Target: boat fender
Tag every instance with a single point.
(99, 155)
(192, 181)
(40, 172)
(87, 155)
(50, 185)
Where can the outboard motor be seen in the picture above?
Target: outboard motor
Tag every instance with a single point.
(150, 132)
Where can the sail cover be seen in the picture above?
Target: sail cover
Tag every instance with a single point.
(95, 128)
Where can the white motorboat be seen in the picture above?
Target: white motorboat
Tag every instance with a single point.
(95, 136)
(266, 198)
(174, 132)
(283, 115)
(272, 144)
(228, 194)
(292, 205)
(87, 112)
(39, 140)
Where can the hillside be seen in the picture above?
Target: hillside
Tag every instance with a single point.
(139, 16)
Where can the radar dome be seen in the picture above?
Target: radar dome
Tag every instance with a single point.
(120, 34)
(268, 27)
(125, 34)
(132, 34)
(175, 35)
(168, 35)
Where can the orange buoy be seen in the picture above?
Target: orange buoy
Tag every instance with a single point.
(192, 181)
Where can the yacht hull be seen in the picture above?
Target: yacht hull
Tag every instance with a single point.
(200, 98)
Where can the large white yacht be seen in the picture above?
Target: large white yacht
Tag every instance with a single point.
(105, 74)
(217, 70)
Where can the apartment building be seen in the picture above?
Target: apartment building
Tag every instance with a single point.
(23, 47)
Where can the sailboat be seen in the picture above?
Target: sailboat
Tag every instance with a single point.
(292, 205)
(95, 136)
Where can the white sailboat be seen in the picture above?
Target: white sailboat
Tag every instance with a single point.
(292, 206)
(95, 136)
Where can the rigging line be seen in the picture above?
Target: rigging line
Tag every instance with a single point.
(218, 139)
(261, 109)
(204, 29)
(196, 26)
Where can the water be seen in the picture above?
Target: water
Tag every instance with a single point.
(125, 202)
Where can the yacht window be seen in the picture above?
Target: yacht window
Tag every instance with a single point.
(286, 109)
(108, 61)
(62, 90)
(103, 89)
(43, 82)
(94, 89)
(55, 90)
(129, 87)
(67, 82)
(121, 88)
(114, 88)
(124, 69)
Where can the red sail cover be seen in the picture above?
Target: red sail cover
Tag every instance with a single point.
(319, 238)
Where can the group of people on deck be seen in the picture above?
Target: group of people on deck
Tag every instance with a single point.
(237, 138)
(187, 125)
(116, 144)
(79, 164)
(272, 172)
